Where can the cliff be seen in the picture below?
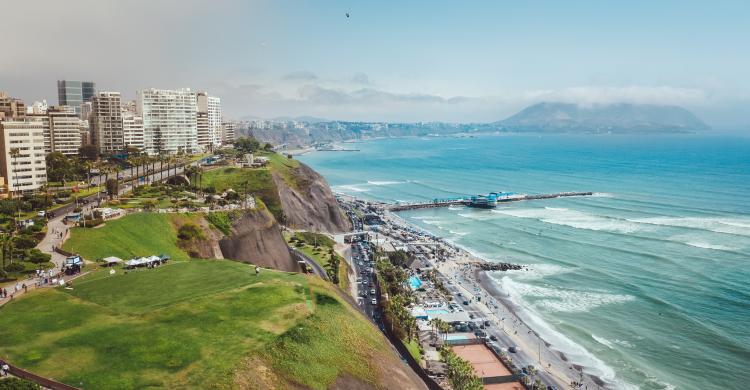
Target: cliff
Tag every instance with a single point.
(256, 238)
(307, 201)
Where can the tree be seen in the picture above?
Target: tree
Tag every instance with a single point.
(246, 144)
(112, 187)
(460, 372)
(59, 167)
(89, 152)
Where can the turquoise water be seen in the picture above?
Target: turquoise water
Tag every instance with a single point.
(414, 282)
(646, 283)
(436, 311)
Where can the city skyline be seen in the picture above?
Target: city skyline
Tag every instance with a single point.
(393, 62)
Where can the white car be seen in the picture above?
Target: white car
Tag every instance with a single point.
(41, 213)
(374, 301)
(372, 292)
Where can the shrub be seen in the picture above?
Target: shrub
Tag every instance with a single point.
(37, 257)
(190, 231)
(14, 267)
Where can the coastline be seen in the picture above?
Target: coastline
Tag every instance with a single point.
(459, 268)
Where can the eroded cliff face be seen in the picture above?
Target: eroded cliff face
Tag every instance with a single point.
(308, 202)
(256, 238)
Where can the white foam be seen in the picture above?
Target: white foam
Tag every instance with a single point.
(536, 271)
(602, 341)
(737, 226)
(384, 182)
(575, 352)
(564, 300)
(706, 245)
(602, 195)
(458, 233)
(624, 343)
(455, 208)
(351, 188)
(573, 218)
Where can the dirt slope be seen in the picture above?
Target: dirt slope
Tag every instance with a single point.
(309, 204)
(256, 238)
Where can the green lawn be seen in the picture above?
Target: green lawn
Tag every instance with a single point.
(196, 324)
(413, 348)
(140, 234)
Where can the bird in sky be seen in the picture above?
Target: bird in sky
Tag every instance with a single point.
(347, 14)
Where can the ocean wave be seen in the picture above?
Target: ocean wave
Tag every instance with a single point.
(573, 218)
(602, 195)
(706, 245)
(350, 187)
(384, 182)
(536, 271)
(458, 233)
(736, 226)
(602, 341)
(575, 352)
(624, 343)
(563, 300)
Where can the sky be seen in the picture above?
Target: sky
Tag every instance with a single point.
(475, 61)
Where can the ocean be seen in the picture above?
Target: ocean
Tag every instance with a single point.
(646, 283)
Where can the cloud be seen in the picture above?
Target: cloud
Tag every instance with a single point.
(361, 78)
(322, 95)
(301, 75)
(589, 95)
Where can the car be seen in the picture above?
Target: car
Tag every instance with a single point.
(493, 337)
(513, 349)
(471, 316)
(41, 213)
(372, 291)
(487, 324)
(465, 303)
(374, 301)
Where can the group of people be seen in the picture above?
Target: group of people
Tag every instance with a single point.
(14, 290)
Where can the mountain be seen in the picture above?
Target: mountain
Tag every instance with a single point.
(615, 118)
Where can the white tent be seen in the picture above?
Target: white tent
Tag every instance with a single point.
(112, 260)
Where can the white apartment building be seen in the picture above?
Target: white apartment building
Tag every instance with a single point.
(27, 170)
(228, 130)
(64, 132)
(211, 106)
(106, 122)
(132, 130)
(169, 120)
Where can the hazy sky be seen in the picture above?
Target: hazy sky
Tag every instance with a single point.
(430, 60)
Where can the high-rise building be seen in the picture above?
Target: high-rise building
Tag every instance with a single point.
(11, 108)
(37, 108)
(106, 122)
(64, 134)
(204, 131)
(132, 130)
(169, 120)
(86, 109)
(211, 106)
(74, 93)
(22, 154)
(228, 130)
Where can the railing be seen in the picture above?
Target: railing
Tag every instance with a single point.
(40, 380)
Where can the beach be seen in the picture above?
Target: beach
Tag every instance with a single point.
(461, 270)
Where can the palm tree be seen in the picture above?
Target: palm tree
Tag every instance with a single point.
(14, 154)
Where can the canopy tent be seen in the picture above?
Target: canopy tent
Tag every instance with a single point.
(144, 261)
(112, 260)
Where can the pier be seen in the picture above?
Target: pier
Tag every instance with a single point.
(463, 201)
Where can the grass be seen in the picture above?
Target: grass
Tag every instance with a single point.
(223, 220)
(191, 325)
(413, 348)
(258, 180)
(140, 234)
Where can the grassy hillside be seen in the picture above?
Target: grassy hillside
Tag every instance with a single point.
(258, 181)
(197, 324)
(141, 234)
